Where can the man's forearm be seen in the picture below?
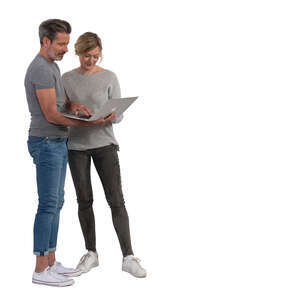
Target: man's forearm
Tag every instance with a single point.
(59, 119)
(68, 105)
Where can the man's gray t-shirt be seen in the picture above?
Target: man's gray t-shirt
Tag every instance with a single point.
(42, 74)
(92, 90)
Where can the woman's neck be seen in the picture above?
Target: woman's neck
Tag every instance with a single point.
(84, 71)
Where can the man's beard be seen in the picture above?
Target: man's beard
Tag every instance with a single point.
(57, 56)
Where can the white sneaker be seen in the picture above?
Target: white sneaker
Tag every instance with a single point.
(47, 277)
(131, 264)
(87, 262)
(60, 269)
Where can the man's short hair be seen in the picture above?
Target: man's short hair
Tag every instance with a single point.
(50, 28)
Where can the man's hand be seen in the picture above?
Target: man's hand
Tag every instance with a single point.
(76, 107)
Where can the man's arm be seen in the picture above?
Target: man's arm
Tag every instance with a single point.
(47, 100)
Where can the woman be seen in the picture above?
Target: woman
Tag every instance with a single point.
(92, 86)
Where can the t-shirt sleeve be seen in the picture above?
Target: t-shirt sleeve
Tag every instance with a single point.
(65, 84)
(115, 92)
(42, 78)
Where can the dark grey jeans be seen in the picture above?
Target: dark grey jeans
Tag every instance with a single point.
(107, 165)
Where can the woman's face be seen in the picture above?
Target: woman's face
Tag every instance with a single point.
(89, 59)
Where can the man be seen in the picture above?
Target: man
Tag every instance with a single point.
(47, 144)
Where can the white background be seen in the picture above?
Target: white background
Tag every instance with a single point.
(210, 153)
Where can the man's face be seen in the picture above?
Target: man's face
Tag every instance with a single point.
(57, 49)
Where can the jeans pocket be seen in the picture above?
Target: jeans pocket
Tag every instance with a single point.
(34, 152)
(35, 140)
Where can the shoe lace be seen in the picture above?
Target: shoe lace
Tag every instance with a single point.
(84, 258)
(54, 266)
(137, 260)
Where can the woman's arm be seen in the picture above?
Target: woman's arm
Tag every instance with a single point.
(115, 92)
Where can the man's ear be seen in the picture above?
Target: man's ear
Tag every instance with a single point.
(46, 42)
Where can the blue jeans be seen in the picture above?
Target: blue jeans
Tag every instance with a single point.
(50, 155)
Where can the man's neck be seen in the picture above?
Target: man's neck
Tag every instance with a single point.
(44, 53)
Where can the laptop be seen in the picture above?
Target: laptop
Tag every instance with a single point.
(116, 105)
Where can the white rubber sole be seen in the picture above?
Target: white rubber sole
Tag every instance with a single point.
(137, 276)
(75, 274)
(56, 283)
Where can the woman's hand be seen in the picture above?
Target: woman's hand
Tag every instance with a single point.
(110, 117)
(103, 120)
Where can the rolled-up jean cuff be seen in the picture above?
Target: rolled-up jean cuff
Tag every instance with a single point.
(44, 253)
(41, 253)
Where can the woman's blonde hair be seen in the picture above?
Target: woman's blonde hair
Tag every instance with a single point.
(87, 42)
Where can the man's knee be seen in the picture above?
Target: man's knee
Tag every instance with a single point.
(49, 208)
(60, 204)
